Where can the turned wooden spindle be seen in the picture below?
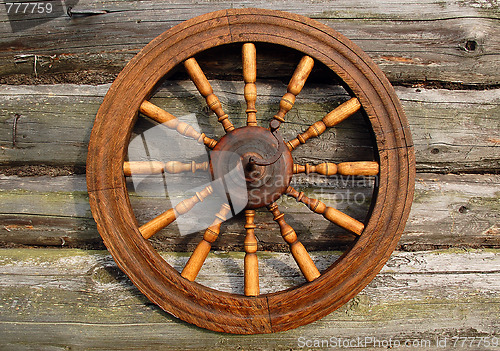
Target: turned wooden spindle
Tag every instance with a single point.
(360, 168)
(141, 167)
(164, 117)
(179, 167)
(249, 55)
(295, 86)
(299, 253)
(156, 167)
(367, 168)
(330, 213)
(155, 225)
(326, 168)
(200, 80)
(251, 261)
(201, 252)
(334, 117)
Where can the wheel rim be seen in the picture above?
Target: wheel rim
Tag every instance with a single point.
(193, 302)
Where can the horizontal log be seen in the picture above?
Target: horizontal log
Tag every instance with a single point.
(446, 41)
(448, 211)
(440, 146)
(453, 131)
(57, 299)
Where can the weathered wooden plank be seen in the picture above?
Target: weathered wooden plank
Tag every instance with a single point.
(74, 112)
(451, 210)
(448, 40)
(440, 146)
(453, 131)
(60, 299)
(448, 211)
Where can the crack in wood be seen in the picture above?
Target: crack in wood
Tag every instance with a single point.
(14, 130)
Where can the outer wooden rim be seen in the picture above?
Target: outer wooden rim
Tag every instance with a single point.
(203, 306)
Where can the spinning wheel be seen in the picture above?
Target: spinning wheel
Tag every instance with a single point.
(262, 157)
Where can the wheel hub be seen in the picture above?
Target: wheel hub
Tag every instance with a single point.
(246, 184)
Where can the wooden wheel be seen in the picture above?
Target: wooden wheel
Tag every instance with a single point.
(324, 291)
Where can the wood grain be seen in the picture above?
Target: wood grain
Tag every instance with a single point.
(332, 118)
(330, 213)
(163, 117)
(200, 80)
(473, 46)
(163, 220)
(59, 295)
(195, 262)
(249, 61)
(157, 167)
(297, 249)
(448, 211)
(295, 86)
(48, 133)
(359, 168)
(359, 264)
(410, 41)
(251, 263)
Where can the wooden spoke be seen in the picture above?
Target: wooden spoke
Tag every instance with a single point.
(157, 167)
(361, 168)
(249, 55)
(295, 86)
(366, 168)
(326, 168)
(200, 254)
(334, 117)
(162, 116)
(179, 167)
(200, 80)
(143, 167)
(299, 253)
(155, 225)
(330, 213)
(251, 261)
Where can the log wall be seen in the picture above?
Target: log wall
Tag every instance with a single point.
(60, 290)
